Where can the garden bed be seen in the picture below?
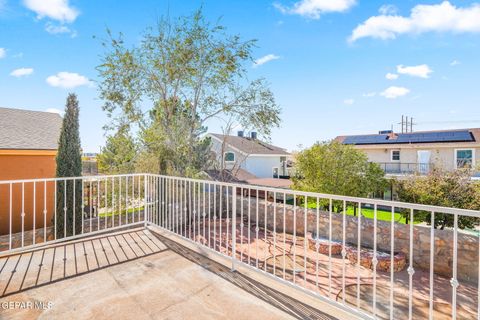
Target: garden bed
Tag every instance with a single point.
(383, 258)
(323, 245)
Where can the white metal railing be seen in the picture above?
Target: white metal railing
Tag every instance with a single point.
(406, 167)
(36, 212)
(371, 263)
(355, 253)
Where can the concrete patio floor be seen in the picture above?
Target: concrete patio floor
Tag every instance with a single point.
(134, 274)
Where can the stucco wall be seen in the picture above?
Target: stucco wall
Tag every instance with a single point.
(443, 157)
(262, 166)
(239, 157)
(15, 167)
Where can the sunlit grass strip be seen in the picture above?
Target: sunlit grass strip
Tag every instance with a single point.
(121, 212)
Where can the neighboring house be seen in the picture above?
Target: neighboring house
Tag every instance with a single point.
(247, 158)
(28, 147)
(419, 152)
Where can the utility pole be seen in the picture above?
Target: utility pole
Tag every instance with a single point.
(407, 126)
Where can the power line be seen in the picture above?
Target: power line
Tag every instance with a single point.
(448, 121)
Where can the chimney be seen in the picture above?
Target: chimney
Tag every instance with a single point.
(253, 135)
(240, 133)
(392, 136)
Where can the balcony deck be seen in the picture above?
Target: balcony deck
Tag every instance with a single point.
(190, 232)
(138, 274)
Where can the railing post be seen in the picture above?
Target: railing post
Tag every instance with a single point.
(234, 226)
(145, 207)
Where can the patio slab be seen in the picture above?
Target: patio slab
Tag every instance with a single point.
(132, 275)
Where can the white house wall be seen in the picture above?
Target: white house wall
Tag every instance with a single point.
(240, 158)
(262, 166)
(259, 165)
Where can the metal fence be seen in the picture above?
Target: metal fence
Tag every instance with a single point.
(366, 260)
(42, 211)
(405, 167)
(356, 253)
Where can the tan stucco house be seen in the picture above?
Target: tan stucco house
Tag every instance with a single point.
(405, 153)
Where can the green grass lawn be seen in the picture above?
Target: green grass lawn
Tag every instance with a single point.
(382, 215)
(122, 212)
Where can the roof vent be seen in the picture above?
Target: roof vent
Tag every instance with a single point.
(253, 135)
(240, 133)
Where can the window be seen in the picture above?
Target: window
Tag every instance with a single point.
(275, 172)
(395, 155)
(464, 158)
(229, 156)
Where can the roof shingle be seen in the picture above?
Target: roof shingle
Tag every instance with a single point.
(29, 130)
(250, 146)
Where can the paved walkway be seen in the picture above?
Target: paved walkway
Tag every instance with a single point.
(134, 274)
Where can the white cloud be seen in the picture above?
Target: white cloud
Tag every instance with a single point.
(369, 94)
(68, 80)
(59, 10)
(421, 71)
(394, 92)
(314, 8)
(21, 72)
(59, 29)
(388, 9)
(349, 101)
(454, 63)
(54, 110)
(391, 76)
(265, 59)
(3, 53)
(443, 17)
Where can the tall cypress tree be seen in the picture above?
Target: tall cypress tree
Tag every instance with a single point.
(69, 164)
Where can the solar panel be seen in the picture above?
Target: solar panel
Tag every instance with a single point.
(420, 137)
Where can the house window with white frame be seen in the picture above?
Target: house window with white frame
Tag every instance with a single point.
(229, 157)
(464, 158)
(395, 155)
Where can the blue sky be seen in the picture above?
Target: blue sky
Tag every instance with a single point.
(327, 61)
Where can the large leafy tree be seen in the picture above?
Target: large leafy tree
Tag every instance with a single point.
(334, 168)
(183, 74)
(442, 188)
(69, 164)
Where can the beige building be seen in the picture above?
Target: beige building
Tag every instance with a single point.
(419, 152)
